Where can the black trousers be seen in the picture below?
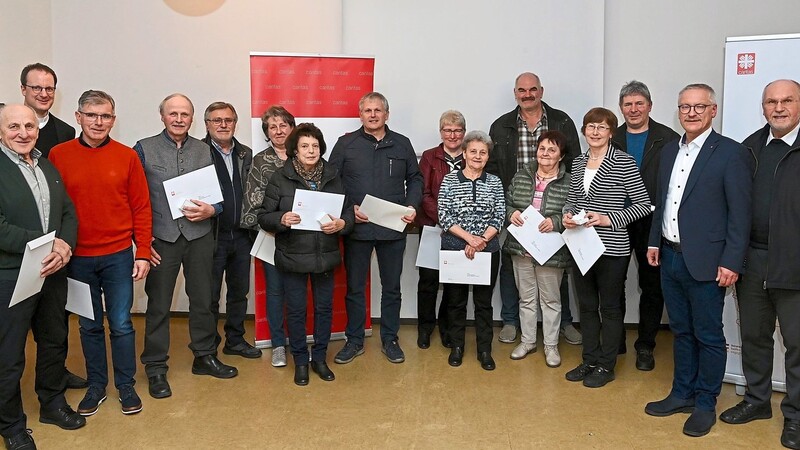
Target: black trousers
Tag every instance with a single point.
(599, 293)
(457, 295)
(44, 314)
(758, 309)
(196, 257)
(651, 301)
(427, 293)
(231, 259)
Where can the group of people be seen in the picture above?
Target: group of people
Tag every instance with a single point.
(721, 213)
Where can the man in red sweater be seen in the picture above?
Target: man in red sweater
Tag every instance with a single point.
(106, 182)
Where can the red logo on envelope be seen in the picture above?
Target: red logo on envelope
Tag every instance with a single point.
(746, 64)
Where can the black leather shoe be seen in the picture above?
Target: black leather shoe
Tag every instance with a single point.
(580, 372)
(487, 363)
(446, 342)
(623, 348)
(423, 339)
(64, 417)
(746, 412)
(76, 382)
(301, 375)
(210, 365)
(669, 406)
(790, 438)
(645, 360)
(456, 356)
(20, 441)
(699, 423)
(159, 387)
(321, 368)
(244, 350)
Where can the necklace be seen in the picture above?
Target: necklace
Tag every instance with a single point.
(595, 158)
(544, 177)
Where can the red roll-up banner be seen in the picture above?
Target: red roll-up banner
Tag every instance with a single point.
(325, 90)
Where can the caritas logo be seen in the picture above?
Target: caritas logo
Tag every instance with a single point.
(746, 64)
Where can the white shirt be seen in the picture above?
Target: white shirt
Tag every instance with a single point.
(687, 155)
(789, 138)
(588, 176)
(43, 120)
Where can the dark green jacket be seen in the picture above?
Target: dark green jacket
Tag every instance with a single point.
(519, 197)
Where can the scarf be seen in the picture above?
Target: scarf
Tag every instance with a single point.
(310, 177)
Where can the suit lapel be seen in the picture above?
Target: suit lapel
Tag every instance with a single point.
(702, 159)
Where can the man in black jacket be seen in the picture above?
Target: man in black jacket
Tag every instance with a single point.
(771, 286)
(232, 161)
(514, 135)
(38, 86)
(643, 138)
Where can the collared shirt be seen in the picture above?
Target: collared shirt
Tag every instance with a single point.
(526, 147)
(36, 181)
(43, 120)
(789, 138)
(687, 155)
(102, 144)
(227, 157)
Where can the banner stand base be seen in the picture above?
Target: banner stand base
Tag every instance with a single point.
(741, 383)
(310, 339)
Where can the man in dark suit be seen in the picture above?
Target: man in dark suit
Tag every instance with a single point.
(38, 86)
(771, 287)
(699, 236)
(232, 161)
(28, 211)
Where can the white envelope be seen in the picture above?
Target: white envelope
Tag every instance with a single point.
(542, 246)
(585, 246)
(79, 298)
(30, 281)
(456, 268)
(384, 213)
(201, 184)
(430, 242)
(313, 205)
(264, 247)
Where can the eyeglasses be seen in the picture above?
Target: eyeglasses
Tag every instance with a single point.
(218, 121)
(698, 109)
(39, 89)
(94, 116)
(773, 103)
(596, 126)
(450, 131)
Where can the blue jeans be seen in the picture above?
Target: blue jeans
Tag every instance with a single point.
(108, 277)
(695, 317)
(276, 303)
(295, 285)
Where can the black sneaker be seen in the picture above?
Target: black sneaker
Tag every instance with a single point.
(348, 353)
(95, 395)
(20, 441)
(393, 352)
(580, 372)
(599, 377)
(130, 401)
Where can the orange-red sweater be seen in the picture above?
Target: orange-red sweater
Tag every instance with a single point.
(109, 189)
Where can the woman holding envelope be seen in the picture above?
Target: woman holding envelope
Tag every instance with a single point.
(301, 255)
(542, 183)
(471, 213)
(606, 184)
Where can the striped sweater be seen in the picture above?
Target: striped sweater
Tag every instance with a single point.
(617, 190)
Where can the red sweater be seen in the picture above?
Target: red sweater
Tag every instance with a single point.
(109, 189)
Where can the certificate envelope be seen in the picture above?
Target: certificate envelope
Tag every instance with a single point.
(264, 247)
(430, 241)
(30, 281)
(455, 267)
(585, 246)
(312, 205)
(201, 184)
(384, 213)
(79, 298)
(542, 246)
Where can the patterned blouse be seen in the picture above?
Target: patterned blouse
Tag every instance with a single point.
(473, 205)
(264, 165)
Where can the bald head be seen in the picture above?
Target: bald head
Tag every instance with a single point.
(19, 129)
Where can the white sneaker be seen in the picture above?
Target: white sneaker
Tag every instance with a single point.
(279, 357)
(551, 356)
(522, 350)
(508, 334)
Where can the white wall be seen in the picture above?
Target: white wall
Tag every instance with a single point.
(26, 34)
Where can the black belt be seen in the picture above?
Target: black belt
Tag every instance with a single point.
(675, 246)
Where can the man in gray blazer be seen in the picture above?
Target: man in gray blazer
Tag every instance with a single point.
(187, 241)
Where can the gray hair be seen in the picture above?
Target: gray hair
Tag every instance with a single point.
(635, 87)
(216, 106)
(477, 136)
(764, 92)
(170, 97)
(374, 96)
(452, 117)
(711, 94)
(93, 97)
